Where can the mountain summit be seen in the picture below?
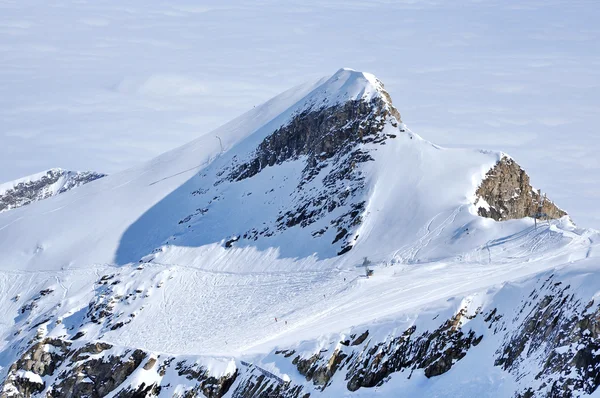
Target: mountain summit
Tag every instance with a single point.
(314, 246)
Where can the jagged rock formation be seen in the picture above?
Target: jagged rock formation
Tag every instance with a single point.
(94, 370)
(369, 364)
(553, 331)
(89, 371)
(42, 186)
(505, 194)
(561, 335)
(320, 135)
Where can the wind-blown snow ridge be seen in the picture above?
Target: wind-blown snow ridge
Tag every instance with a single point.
(346, 85)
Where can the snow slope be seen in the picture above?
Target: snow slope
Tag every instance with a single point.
(149, 246)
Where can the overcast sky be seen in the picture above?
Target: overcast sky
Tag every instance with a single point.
(105, 85)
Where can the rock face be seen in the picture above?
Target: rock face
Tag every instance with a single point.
(506, 194)
(561, 334)
(42, 186)
(320, 135)
(369, 364)
(88, 371)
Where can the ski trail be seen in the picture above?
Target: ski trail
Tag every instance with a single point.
(10, 223)
(65, 290)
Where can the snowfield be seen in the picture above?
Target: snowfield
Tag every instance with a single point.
(125, 242)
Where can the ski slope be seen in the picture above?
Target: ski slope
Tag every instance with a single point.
(175, 287)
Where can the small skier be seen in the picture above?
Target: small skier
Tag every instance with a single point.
(275, 319)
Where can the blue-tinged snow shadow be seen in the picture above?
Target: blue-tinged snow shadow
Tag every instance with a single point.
(212, 208)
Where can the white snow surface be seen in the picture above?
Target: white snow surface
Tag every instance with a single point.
(195, 297)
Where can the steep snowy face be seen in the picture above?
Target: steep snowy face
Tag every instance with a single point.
(300, 180)
(327, 139)
(41, 186)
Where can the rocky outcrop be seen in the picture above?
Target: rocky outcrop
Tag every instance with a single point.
(319, 135)
(372, 363)
(210, 386)
(64, 369)
(25, 375)
(260, 386)
(561, 336)
(87, 371)
(550, 342)
(97, 369)
(96, 376)
(36, 188)
(505, 194)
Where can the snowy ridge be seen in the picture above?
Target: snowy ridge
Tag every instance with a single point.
(247, 245)
(345, 85)
(41, 186)
(33, 177)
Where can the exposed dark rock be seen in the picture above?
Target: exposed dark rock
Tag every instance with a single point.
(90, 349)
(434, 352)
(44, 357)
(360, 339)
(31, 304)
(83, 373)
(143, 391)
(96, 377)
(210, 386)
(24, 193)
(563, 336)
(229, 243)
(509, 195)
(319, 134)
(560, 334)
(260, 386)
(27, 387)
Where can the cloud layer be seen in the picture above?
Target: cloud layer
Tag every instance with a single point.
(103, 86)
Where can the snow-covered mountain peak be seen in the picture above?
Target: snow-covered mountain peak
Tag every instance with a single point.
(347, 85)
(235, 265)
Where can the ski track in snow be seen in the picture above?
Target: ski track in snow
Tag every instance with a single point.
(212, 312)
